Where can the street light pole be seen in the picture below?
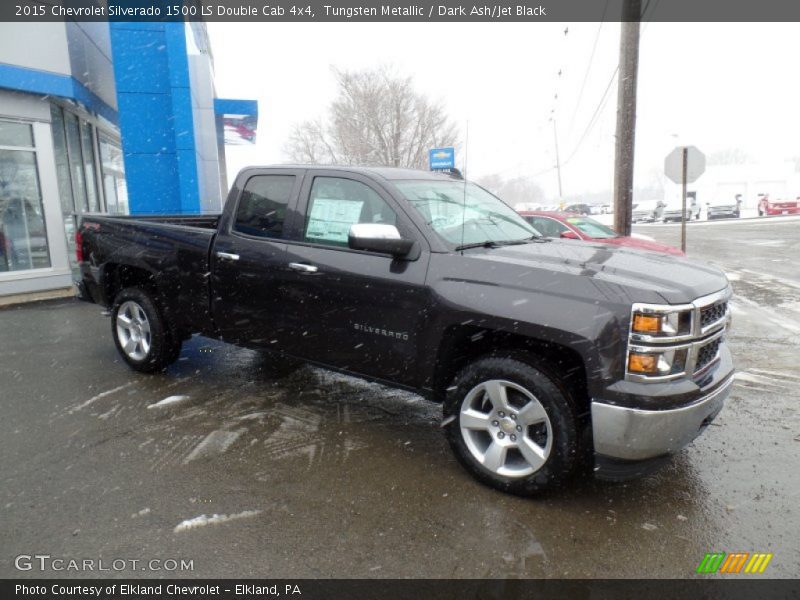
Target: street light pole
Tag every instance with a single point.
(626, 116)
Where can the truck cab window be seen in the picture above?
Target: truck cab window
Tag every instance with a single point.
(335, 204)
(262, 207)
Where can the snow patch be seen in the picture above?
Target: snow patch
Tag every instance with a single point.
(753, 378)
(776, 374)
(214, 519)
(252, 416)
(216, 442)
(94, 399)
(168, 400)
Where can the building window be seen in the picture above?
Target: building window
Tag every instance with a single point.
(89, 161)
(64, 180)
(91, 175)
(75, 159)
(23, 237)
(113, 169)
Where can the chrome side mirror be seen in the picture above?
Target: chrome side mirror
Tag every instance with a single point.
(378, 237)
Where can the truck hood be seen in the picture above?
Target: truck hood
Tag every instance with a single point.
(675, 279)
(641, 244)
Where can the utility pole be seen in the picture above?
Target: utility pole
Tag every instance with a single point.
(626, 115)
(558, 164)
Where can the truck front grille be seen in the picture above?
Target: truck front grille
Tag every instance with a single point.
(707, 354)
(711, 314)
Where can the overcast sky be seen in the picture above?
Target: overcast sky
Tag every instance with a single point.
(716, 86)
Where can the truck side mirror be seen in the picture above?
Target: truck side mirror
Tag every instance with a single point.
(379, 237)
(569, 235)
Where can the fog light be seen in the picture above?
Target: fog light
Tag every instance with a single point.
(642, 363)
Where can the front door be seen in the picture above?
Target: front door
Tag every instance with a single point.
(360, 311)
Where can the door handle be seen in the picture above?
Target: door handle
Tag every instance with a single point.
(228, 256)
(303, 268)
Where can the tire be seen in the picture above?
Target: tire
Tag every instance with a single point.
(523, 444)
(141, 334)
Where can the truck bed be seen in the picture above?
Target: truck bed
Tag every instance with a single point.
(171, 251)
(199, 221)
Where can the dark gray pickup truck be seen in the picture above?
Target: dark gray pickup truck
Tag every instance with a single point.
(547, 355)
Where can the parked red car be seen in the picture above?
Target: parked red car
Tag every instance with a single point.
(778, 207)
(577, 227)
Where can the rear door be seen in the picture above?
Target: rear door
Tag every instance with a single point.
(248, 259)
(360, 311)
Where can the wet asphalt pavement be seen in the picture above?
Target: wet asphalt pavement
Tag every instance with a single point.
(320, 475)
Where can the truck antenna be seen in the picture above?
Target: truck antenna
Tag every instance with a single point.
(464, 206)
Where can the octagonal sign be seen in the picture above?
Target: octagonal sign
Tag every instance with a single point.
(695, 164)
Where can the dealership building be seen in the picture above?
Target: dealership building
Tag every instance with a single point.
(117, 118)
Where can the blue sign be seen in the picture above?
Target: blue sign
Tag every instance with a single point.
(442, 158)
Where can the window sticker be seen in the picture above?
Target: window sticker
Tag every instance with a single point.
(329, 219)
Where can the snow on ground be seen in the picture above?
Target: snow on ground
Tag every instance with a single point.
(751, 318)
(216, 442)
(214, 519)
(168, 400)
(94, 399)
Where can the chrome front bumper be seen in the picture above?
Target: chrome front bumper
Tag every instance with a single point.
(634, 434)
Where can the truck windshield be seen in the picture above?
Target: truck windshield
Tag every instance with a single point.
(466, 214)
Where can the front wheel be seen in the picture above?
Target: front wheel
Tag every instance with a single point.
(140, 332)
(512, 425)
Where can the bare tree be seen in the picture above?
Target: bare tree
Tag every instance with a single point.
(377, 118)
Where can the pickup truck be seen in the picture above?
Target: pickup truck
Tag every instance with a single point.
(550, 357)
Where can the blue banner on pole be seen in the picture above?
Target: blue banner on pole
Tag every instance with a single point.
(442, 158)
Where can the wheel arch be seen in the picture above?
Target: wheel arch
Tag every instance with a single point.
(118, 276)
(464, 344)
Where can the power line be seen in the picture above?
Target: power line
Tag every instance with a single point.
(604, 98)
(595, 115)
(588, 68)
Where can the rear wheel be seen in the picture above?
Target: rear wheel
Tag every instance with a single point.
(140, 332)
(513, 426)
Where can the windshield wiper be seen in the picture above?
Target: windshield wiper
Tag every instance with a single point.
(498, 243)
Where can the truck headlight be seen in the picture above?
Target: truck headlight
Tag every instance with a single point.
(657, 363)
(665, 324)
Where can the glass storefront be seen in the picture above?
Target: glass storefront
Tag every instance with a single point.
(89, 168)
(89, 160)
(75, 161)
(23, 236)
(116, 192)
(85, 173)
(63, 176)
